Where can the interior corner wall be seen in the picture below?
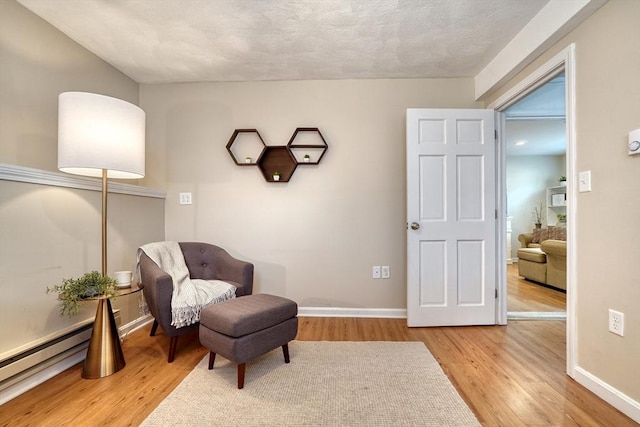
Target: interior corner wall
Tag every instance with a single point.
(315, 238)
(46, 230)
(38, 62)
(608, 272)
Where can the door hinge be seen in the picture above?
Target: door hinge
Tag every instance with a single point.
(496, 213)
(496, 293)
(495, 134)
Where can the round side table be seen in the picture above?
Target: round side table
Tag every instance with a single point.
(104, 356)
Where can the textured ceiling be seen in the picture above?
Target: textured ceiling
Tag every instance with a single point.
(243, 40)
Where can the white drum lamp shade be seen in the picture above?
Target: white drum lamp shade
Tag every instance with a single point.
(97, 132)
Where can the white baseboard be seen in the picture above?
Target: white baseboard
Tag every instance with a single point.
(614, 397)
(64, 361)
(392, 313)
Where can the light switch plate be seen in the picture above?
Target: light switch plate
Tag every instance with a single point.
(584, 181)
(185, 198)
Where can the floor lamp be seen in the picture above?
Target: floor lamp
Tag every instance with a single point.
(102, 137)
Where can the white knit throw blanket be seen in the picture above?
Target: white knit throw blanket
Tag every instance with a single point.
(189, 295)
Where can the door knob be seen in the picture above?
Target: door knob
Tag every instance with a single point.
(415, 226)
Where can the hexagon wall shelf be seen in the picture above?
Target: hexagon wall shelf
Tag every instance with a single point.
(307, 146)
(249, 146)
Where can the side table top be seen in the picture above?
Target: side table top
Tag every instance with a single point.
(135, 287)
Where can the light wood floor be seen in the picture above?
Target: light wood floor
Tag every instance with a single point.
(526, 296)
(509, 375)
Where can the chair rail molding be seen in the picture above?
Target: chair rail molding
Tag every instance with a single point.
(59, 179)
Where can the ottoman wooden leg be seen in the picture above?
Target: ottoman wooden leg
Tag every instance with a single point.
(241, 367)
(212, 358)
(285, 350)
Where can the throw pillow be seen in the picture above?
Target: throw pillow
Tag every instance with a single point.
(540, 235)
(557, 233)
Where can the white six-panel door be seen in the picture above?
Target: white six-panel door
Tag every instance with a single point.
(451, 202)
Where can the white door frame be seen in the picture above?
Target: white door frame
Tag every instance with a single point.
(564, 60)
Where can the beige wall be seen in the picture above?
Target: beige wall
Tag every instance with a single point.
(50, 232)
(37, 63)
(607, 47)
(315, 238)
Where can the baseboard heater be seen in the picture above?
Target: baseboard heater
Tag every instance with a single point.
(38, 355)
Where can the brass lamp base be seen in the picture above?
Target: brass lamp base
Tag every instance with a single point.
(104, 356)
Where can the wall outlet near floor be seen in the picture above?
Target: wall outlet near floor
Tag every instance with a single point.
(616, 322)
(386, 272)
(376, 272)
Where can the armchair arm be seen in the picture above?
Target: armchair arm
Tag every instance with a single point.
(525, 239)
(232, 269)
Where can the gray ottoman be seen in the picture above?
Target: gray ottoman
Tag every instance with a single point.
(247, 327)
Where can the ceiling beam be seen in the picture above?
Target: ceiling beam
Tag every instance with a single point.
(552, 23)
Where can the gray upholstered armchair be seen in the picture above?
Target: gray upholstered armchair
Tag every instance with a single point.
(204, 261)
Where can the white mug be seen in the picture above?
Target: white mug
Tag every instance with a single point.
(124, 277)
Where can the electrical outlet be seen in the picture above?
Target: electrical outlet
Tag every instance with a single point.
(386, 272)
(376, 272)
(185, 198)
(616, 322)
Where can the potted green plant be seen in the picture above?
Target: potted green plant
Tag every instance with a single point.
(276, 176)
(72, 291)
(247, 159)
(563, 181)
(562, 217)
(307, 158)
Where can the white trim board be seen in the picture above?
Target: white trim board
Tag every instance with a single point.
(563, 60)
(553, 22)
(59, 179)
(390, 313)
(611, 395)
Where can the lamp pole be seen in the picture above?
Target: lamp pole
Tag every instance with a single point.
(104, 221)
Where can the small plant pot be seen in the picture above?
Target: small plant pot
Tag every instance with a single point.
(247, 159)
(563, 183)
(306, 159)
(276, 177)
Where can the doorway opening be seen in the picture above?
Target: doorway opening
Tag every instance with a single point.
(562, 62)
(535, 149)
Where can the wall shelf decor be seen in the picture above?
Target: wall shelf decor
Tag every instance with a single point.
(306, 146)
(246, 146)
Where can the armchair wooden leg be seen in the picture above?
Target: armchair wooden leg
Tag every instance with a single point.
(212, 358)
(285, 350)
(154, 328)
(172, 348)
(241, 367)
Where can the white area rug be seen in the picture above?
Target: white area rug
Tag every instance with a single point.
(326, 384)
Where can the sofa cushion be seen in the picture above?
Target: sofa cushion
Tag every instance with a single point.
(532, 254)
